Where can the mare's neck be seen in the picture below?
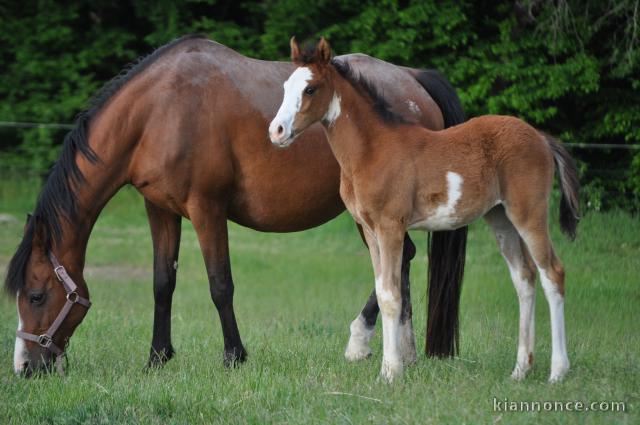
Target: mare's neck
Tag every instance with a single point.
(353, 134)
(102, 180)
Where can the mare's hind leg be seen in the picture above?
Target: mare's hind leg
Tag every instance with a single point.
(165, 233)
(210, 222)
(362, 328)
(523, 275)
(532, 225)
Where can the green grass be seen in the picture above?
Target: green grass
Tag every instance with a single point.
(295, 297)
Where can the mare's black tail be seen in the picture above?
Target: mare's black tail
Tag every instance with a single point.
(447, 249)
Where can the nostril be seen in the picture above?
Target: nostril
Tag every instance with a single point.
(280, 130)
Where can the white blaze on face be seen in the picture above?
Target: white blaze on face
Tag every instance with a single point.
(20, 350)
(281, 127)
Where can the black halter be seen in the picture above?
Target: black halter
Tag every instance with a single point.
(46, 339)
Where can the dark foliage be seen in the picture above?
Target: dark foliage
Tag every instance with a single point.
(570, 68)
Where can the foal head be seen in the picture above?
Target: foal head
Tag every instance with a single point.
(41, 297)
(309, 95)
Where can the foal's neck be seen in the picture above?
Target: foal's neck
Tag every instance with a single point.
(354, 134)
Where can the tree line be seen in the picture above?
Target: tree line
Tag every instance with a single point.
(569, 67)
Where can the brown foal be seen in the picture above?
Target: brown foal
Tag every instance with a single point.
(397, 176)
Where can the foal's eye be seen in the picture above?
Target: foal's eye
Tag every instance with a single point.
(36, 298)
(309, 90)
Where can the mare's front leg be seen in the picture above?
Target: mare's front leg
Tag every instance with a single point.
(362, 328)
(210, 223)
(165, 234)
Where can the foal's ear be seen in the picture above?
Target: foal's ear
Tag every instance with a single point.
(295, 50)
(323, 51)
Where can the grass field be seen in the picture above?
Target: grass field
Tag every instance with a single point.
(295, 297)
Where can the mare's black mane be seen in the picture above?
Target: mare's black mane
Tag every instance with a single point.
(58, 197)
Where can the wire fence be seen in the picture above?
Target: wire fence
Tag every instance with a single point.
(64, 126)
(17, 124)
(612, 174)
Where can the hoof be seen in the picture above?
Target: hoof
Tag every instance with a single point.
(558, 370)
(407, 344)
(358, 345)
(519, 373)
(409, 356)
(353, 353)
(391, 372)
(158, 358)
(234, 356)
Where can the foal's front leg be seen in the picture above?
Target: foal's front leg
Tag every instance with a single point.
(390, 299)
(363, 326)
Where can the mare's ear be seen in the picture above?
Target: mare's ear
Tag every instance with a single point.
(39, 238)
(295, 50)
(323, 51)
(26, 223)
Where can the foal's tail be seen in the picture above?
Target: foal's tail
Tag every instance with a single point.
(447, 249)
(569, 186)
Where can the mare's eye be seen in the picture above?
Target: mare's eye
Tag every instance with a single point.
(36, 298)
(309, 90)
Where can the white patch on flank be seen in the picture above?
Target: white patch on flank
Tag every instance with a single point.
(358, 346)
(443, 217)
(20, 350)
(291, 102)
(413, 106)
(334, 110)
(559, 358)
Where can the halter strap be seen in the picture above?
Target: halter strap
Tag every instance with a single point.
(46, 339)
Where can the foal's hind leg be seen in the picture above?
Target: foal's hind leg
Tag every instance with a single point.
(523, 275)
(165, 233)
(533, 227)
(362, 328)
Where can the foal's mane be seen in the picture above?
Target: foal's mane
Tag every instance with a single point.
(369, 90)
(58, 196)
(366, 87)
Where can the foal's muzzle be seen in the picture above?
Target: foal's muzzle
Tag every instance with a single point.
(281, 133)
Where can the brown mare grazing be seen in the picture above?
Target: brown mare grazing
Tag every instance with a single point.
(397, 176)
(187, 126)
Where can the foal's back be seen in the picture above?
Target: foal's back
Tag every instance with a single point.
(489, 160)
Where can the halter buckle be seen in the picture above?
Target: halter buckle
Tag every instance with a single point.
(55, 270)
(45, 341)
(72, 297)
